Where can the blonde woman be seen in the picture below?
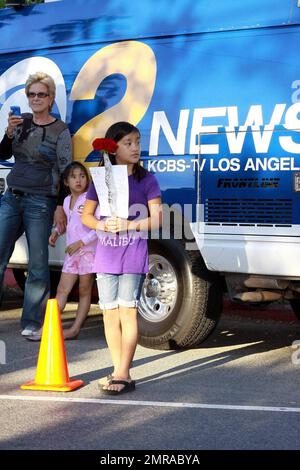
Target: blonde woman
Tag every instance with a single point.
(41, 145)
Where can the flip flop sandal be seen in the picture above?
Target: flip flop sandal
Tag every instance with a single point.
(128, 387)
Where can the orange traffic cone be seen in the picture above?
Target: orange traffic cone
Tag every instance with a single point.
(52, 369)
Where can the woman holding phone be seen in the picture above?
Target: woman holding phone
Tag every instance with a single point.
(41, 145)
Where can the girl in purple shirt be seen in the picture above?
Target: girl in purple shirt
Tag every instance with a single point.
(121, 259)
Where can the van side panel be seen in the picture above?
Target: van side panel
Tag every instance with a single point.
(229, 83)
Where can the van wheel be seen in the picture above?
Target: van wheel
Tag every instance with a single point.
(21, 276)
(181, 301)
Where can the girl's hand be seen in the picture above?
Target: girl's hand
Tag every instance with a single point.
(53, 238)
(71, 249)
(13, 121)
(115, 225)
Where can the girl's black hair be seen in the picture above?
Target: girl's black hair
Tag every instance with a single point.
(69, 169)
(116, 132)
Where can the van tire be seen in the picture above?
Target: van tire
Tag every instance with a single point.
(198, 305)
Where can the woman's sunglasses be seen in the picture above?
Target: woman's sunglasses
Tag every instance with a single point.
(31, 94)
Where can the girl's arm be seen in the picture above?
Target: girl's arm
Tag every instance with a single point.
(115, 224)
(88, 218)
(154, 221)
(90, 237)
(71, 249)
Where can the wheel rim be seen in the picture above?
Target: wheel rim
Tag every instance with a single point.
(159, 292)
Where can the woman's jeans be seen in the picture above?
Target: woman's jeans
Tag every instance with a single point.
(33, 215)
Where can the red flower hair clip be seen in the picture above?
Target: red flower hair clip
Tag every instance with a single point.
(105, 145)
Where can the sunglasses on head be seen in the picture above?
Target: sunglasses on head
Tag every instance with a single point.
(41, 94)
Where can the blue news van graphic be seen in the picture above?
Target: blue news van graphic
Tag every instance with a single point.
(215, 89)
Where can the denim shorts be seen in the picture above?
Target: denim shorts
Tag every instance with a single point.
(119, 289)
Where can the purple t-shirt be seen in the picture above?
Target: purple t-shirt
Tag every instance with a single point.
(127, 252)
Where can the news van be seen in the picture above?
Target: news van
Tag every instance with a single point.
(214, 88)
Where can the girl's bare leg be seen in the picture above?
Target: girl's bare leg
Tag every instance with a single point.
(129, 336)
(85, 294)
(66, 283)
(113, 335)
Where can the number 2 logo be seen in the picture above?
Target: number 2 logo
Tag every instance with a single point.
(134, 60)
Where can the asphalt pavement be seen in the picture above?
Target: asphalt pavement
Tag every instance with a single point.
(239, 390)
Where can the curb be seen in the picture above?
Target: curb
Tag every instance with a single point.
(280, 311)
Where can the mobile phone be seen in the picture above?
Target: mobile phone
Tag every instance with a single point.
(16, 111)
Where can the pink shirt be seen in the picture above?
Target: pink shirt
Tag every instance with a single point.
(75, 229)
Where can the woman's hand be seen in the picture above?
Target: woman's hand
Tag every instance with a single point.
(71, 249)
(13, 121)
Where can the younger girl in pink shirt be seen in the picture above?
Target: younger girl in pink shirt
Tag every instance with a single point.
(80, 250)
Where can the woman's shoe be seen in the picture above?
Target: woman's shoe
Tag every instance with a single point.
(30, 330)
(37, 336)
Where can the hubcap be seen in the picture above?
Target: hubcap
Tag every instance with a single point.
(159, 292)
